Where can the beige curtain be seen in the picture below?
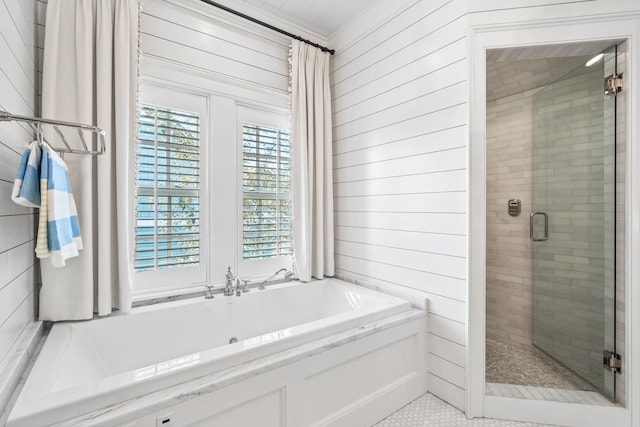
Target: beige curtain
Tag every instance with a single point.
(90, 76)
(312, 168)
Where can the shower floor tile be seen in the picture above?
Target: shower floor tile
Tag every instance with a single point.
(507, 364)
(429, 411)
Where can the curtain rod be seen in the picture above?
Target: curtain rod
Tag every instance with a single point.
(269, 26)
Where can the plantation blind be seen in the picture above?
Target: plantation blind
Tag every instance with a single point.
(167, 232)
(266, 207)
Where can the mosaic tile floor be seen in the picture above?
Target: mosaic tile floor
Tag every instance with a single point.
(505, 363)
(429, 411)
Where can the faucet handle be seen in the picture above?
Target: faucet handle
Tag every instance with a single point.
(245, 286)
(209, 294)
(238, 293)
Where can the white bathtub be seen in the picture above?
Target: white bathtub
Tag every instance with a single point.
(85, 366)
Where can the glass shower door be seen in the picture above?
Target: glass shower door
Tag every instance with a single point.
(573, 222)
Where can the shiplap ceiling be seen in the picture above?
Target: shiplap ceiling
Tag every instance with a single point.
(322, 17)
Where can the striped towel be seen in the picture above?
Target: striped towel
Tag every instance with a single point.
(58, 228)
(26, 187)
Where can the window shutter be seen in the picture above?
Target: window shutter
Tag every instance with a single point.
(266, 215)
(167, 232)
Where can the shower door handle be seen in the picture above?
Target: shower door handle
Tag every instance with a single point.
(546, 227)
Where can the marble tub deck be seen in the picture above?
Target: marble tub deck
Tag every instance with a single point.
(125, 412)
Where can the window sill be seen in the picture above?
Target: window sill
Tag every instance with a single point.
(157, 297)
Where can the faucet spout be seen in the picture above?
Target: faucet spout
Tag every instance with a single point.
(288, 275)
(229, 278)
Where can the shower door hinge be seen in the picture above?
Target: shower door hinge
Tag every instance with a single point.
(612, 361)
(613, 84)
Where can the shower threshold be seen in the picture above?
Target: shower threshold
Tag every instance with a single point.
(531, 374)
(547, 393)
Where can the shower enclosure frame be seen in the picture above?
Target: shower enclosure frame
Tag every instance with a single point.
(616, 28)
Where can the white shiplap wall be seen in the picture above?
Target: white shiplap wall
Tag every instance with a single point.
(401, 105)
(185, 34)
(21, 41)
(400, 136)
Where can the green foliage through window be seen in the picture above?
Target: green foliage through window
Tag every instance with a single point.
(167, 232)
(266, 210)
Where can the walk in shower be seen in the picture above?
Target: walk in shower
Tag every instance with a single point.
(555, 177)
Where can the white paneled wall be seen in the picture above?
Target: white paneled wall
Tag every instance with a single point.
(173, 32)
(21, 41)
(401, 103)
(400, 114)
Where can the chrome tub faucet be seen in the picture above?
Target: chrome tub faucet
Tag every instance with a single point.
(241, 285)
(229, 279)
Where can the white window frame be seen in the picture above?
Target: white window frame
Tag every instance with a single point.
(171, 279)
(221, 183)
(256, 268)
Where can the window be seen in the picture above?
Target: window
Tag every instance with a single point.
(168, 228)
(212, 187)
(168, 214)
(266, 187)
